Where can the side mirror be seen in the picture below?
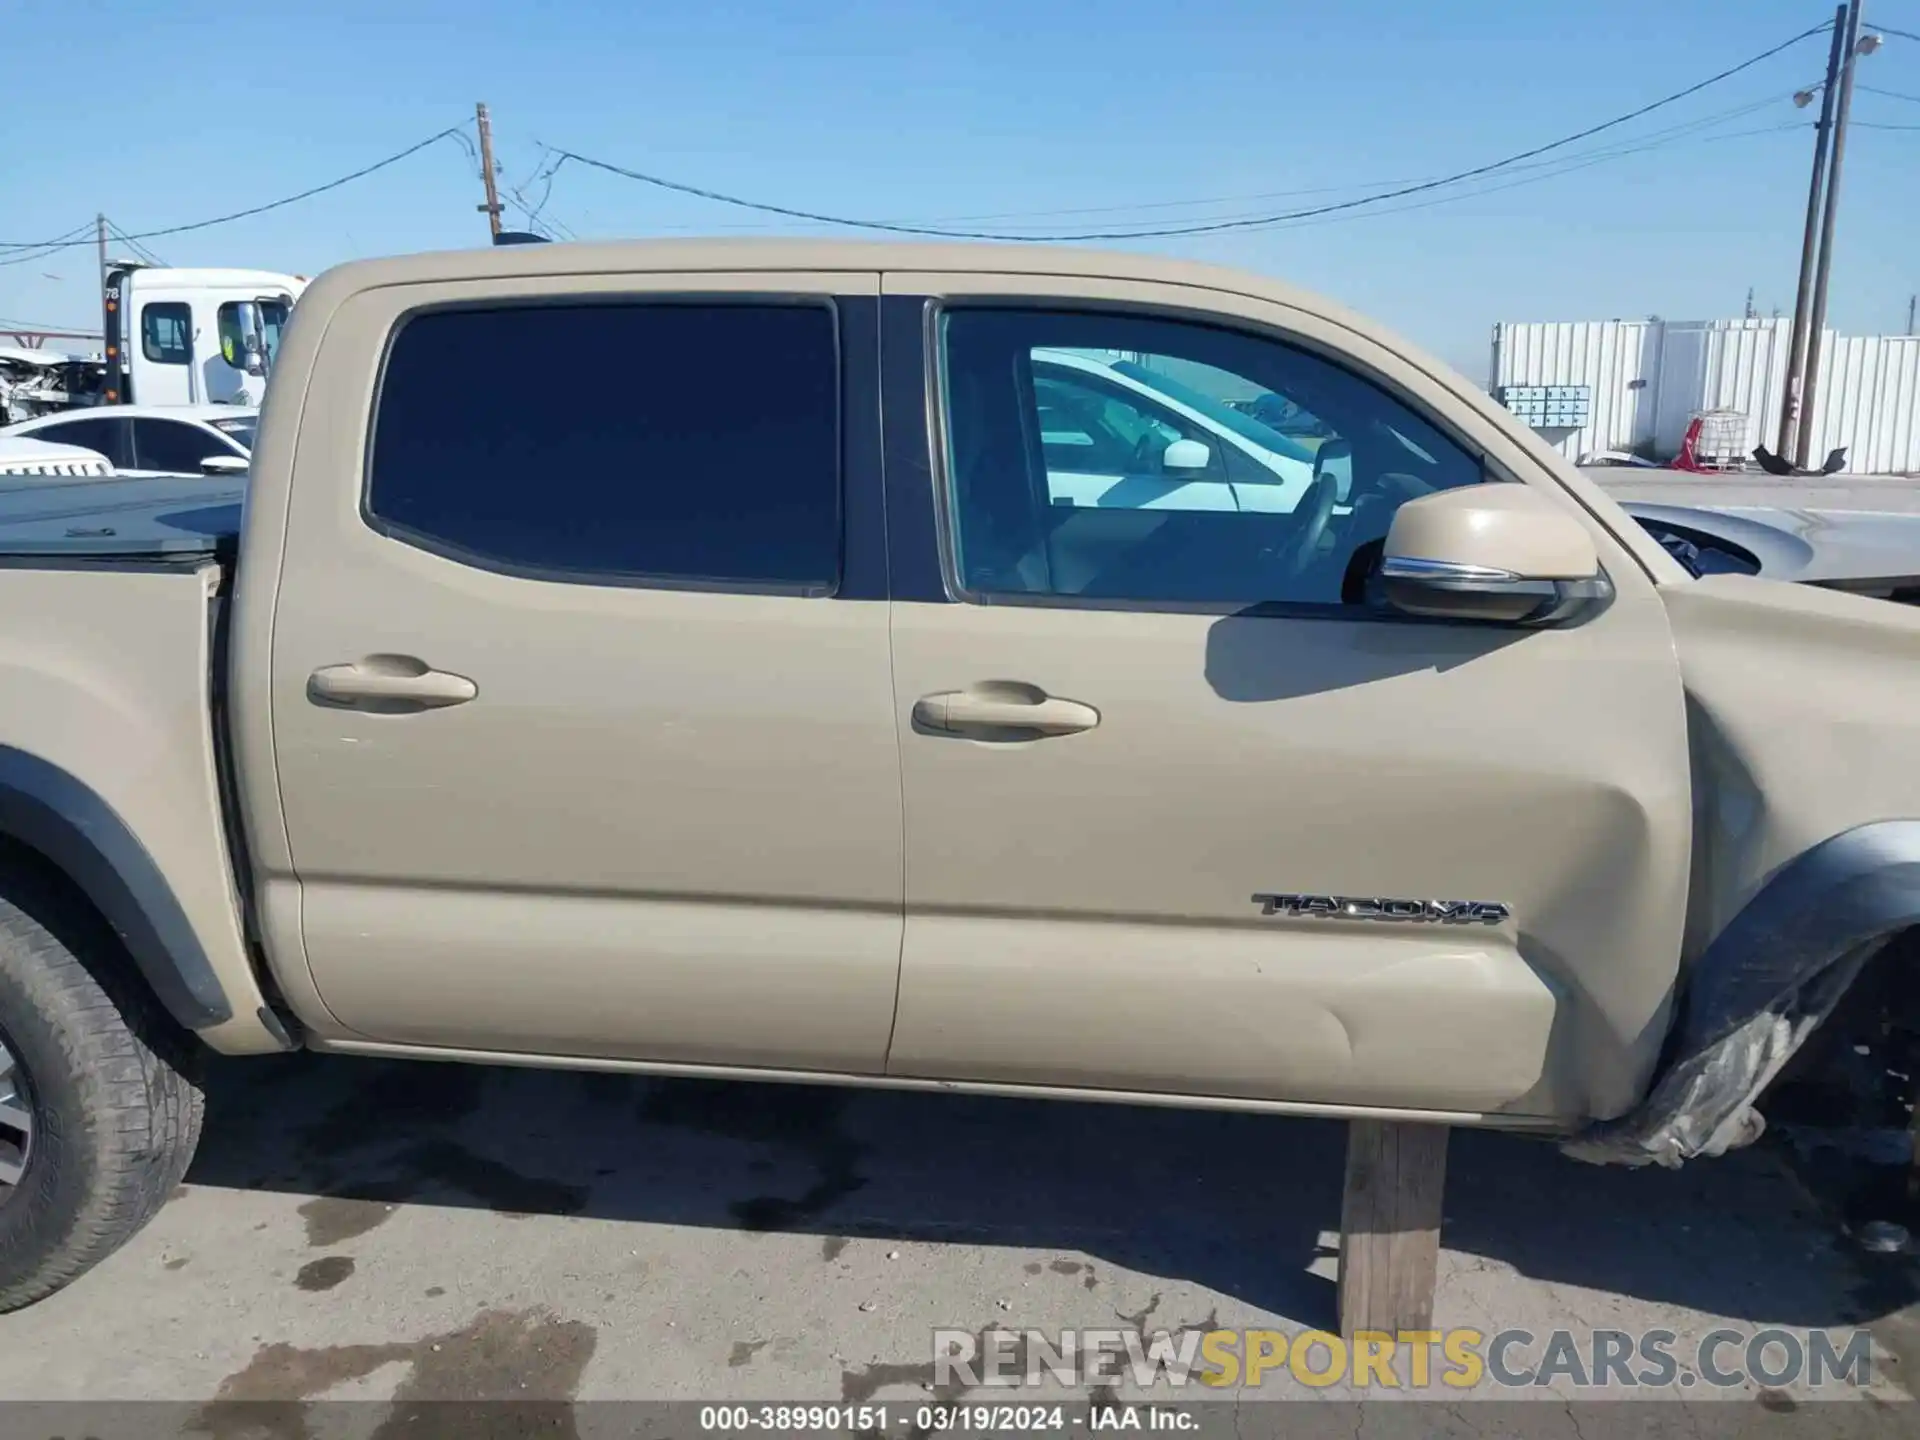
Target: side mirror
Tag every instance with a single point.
(1500, 552)
(1186, 455)
(223, 465)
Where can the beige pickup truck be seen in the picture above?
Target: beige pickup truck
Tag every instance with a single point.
(919, 666)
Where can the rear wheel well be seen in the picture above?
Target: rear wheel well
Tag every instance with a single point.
(51, 897)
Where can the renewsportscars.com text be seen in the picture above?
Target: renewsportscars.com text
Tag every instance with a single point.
(1458, 1359)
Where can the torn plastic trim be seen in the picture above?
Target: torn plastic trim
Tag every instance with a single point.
(1761, 987)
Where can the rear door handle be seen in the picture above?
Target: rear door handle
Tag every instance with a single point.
(394, 684)
(1006, 708)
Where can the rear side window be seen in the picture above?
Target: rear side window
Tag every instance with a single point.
(109, 437)
(166, 332)
(688, 444)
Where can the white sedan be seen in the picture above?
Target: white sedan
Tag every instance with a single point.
(1118, 436)
(155, 439)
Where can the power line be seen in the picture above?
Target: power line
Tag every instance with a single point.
(1659, 138)
(1197, 228)
(1870, 125)
(1889, 30)
(47, 247)
(140, 251)
(1893, 94)
(85, 229)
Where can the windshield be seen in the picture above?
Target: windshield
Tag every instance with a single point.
(239, 430)
(1222, 414)
(273, 320)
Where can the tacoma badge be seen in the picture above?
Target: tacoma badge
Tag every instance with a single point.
(1355, 907)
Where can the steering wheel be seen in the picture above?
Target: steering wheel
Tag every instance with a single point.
(1316, 512)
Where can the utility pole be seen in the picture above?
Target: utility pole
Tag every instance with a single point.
(1751, 312)
(1817, 324)
(1912, 302)
(1802, 299)
(492, 207)
(100, 246)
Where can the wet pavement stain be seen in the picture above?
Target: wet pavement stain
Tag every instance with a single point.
(179, 1262)
(1033, 1267)
(332, 1219)
(832, 1247)
(434, 1292)
(859, 1386)
(418, 1172)
(324, 1273)
(744, 1351)
(1066, 1267)
(790, 1116)
(531, 1358)
(1778, 1402)
(1138, 1323)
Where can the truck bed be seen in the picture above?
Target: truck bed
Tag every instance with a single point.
(181, 519)
(109, 684)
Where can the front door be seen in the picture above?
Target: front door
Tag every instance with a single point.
(1188, 808)
(581, 704)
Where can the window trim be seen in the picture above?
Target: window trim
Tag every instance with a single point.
(146, 339)
(939, 450)
(625, 580)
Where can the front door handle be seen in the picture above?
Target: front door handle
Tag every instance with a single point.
(1003, 708)
(391, 684)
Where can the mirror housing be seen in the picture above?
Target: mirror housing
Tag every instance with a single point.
(1499, 552)
(1186, 455)
(223, 465)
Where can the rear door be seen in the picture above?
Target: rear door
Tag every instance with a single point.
(582, 710)
(1186, 804)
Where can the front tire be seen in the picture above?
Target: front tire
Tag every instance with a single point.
(98, 1115)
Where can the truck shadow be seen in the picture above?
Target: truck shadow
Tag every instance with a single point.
(1239, 1204)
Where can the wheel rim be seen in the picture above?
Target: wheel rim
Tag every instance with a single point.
(16, 1123)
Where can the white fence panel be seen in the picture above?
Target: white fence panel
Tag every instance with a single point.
(1648, 378)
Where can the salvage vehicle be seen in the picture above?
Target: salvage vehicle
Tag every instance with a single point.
(792, 719)
(155, 439)
(1866, 552)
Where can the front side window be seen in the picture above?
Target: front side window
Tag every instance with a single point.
(166, 332)
(1123, 458)
(173, 445)
(704, 449)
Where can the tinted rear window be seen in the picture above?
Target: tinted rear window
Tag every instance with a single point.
(668, 443)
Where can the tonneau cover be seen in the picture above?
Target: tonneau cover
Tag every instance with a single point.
(119, 517)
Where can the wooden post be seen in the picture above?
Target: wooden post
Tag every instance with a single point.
(1390, 1225)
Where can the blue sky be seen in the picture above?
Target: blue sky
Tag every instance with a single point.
(914, 110)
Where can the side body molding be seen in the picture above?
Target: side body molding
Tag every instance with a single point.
(48, 810)
(1773, 974)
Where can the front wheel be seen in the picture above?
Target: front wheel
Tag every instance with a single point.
(98, 1117)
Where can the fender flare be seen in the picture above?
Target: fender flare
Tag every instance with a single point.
(1760, 988)
(50, 811)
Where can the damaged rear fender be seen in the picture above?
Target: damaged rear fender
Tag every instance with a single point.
(1761, 987)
